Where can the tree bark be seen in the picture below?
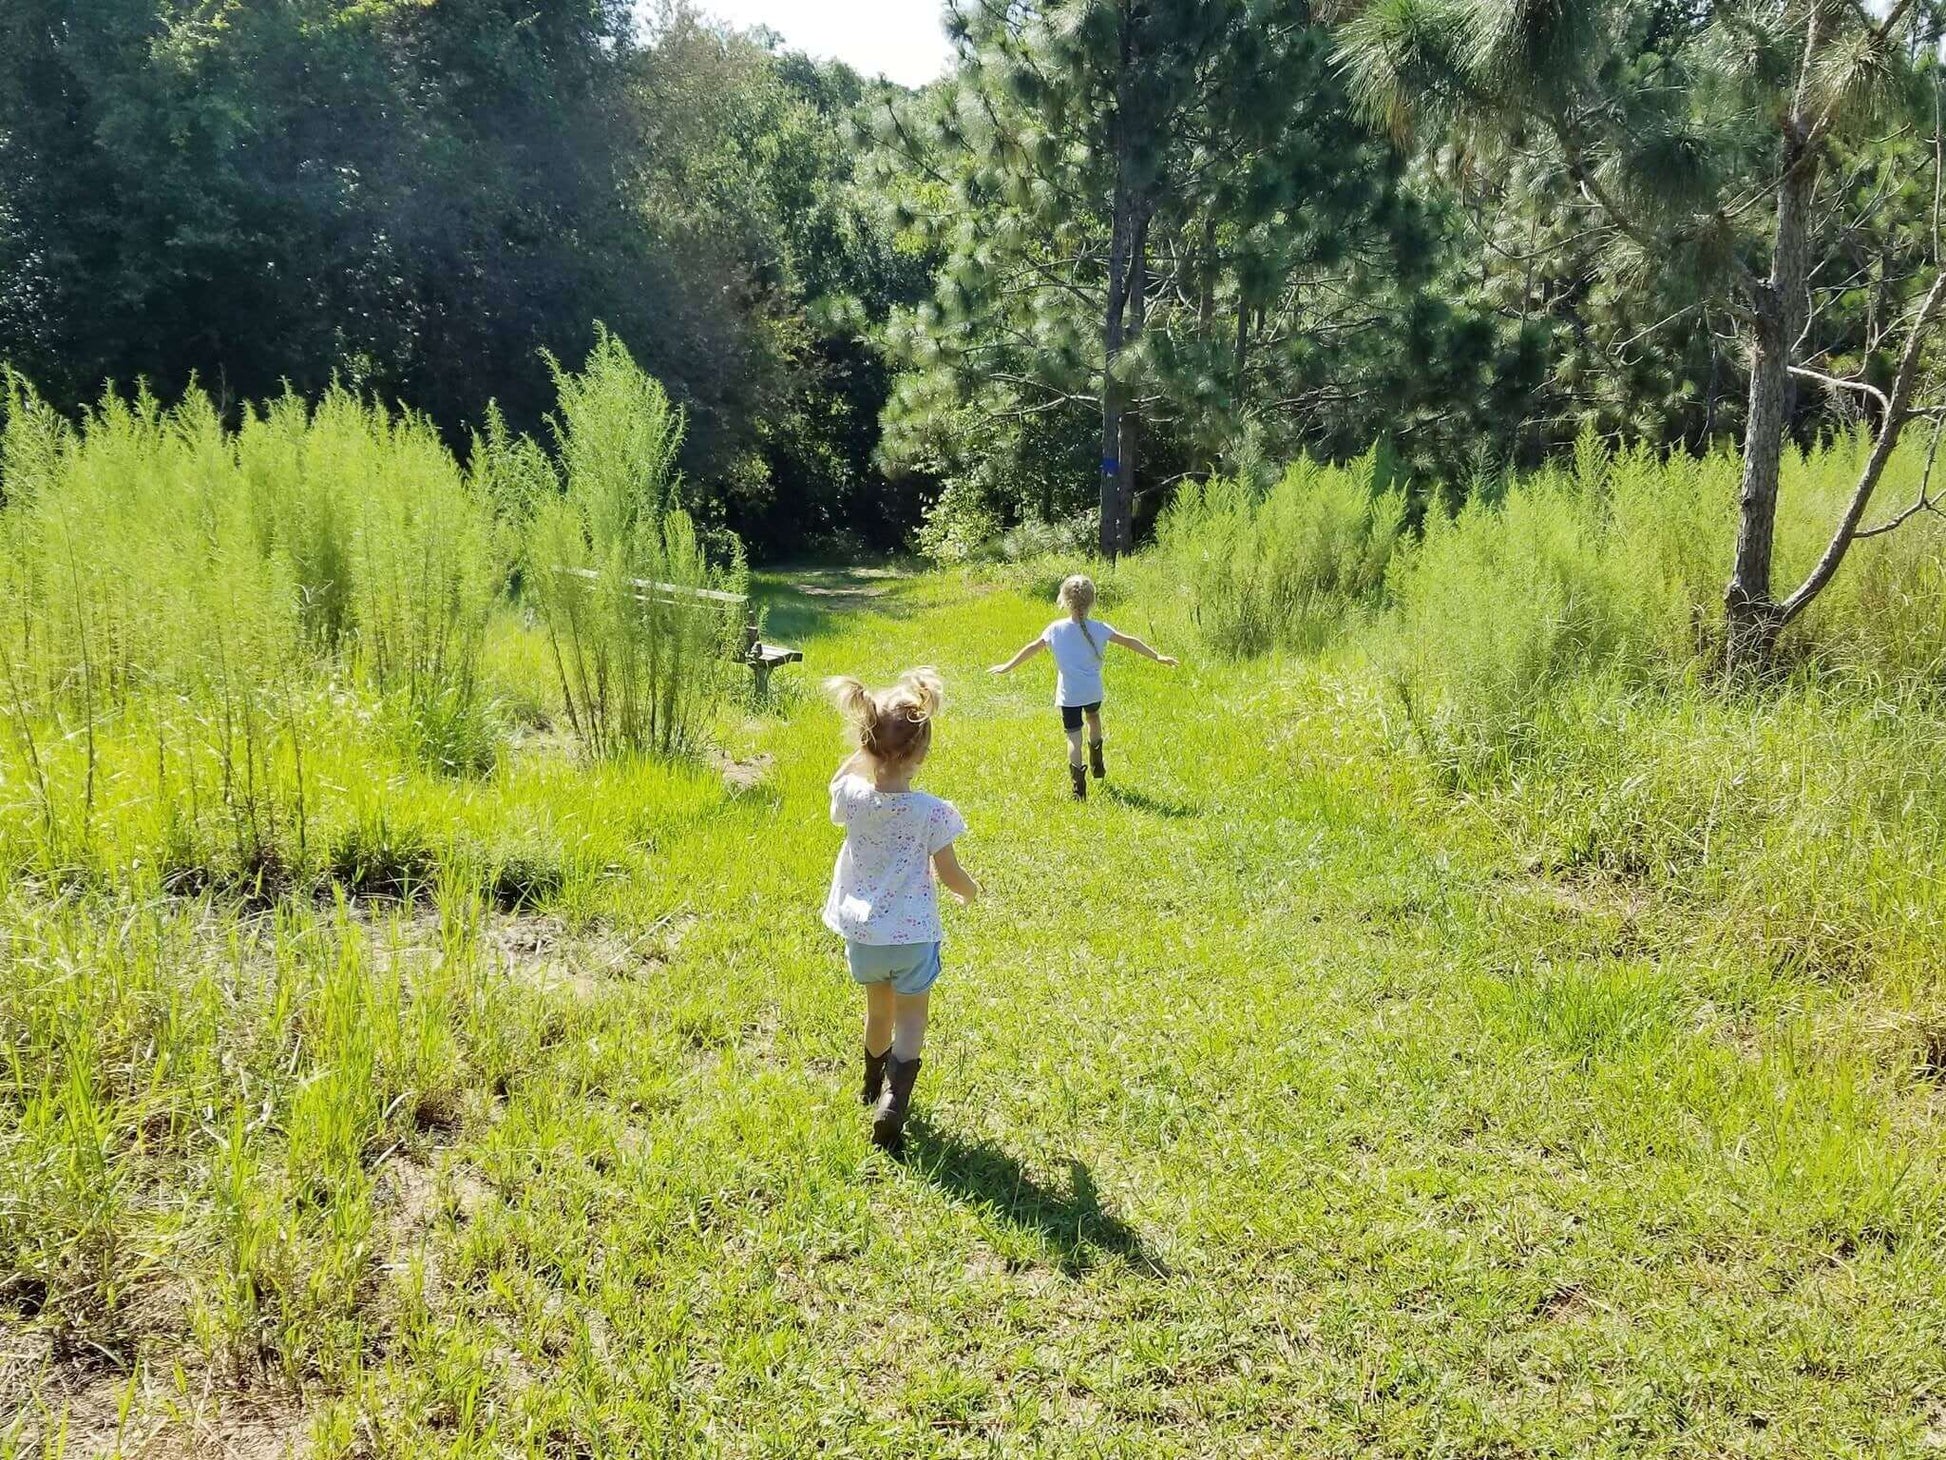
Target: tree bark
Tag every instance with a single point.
(1121, 238)
(1121, 246)
(1243, 341)
(1206, 266)
(1752, 616)
(1129, 441)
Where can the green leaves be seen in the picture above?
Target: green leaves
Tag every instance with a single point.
(1221, 132)
(1530, 48)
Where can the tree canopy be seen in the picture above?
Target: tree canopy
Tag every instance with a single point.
(1123, 244)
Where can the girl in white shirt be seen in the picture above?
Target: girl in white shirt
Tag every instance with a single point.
(882, 901)
(1079, 645)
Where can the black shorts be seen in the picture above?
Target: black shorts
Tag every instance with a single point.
(1071, 714)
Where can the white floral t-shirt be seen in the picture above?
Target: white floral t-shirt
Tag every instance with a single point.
(882, 889)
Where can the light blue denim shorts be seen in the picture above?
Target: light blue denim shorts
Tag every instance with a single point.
(911, 968)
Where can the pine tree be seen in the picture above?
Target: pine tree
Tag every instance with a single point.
(1129, 195)
(1676, 126)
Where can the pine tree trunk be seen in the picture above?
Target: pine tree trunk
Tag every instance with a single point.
(1121, 246)
(1206, 267)
(1112, 338)
(1752, 616)
(1131, 421)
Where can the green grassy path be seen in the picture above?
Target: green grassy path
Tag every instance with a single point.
(1270, 1108)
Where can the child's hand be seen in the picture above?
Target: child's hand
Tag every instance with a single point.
(1168, 661)
(953, 877)
(998, 669)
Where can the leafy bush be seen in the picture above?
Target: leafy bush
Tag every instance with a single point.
(1501, 607)
(617, 569)
(1283, 568)
(960, 528)
(1075, 537)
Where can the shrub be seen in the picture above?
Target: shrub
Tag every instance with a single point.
(960, 527)
(1073, 538)
(615, 566)
(1502, 606)
(1286, 567)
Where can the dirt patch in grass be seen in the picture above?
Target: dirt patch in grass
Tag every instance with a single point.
(104, 1415)
(541, 949)
(840, 596)
(743, 775)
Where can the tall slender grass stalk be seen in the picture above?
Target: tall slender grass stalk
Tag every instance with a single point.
(614, 561)
(1287, 567)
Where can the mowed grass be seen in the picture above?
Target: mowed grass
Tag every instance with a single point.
(1273, 1105)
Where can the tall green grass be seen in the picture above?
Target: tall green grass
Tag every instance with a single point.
(1603, 567)
(1609, 570)
(1548, 649)
(210, 637)
(1283, 568)
(618, 570)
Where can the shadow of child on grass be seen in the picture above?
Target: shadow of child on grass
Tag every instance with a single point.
(1072, 1222)
(1136, 800)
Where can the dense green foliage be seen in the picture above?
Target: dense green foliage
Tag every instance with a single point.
(1217, 234)
(419, 200)
(1178, 218)
(201, 628)
(1763, 159)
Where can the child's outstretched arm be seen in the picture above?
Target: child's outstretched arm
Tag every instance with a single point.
(1026, 653)
(1129, 641)
(953, 877)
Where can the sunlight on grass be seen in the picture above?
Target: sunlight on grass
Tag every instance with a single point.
(1272, 1101)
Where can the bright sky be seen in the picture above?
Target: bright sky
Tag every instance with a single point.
(901, 39)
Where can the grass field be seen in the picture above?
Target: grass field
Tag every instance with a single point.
(1278, 1101)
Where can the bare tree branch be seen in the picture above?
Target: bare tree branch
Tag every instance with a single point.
(1864, 387)
(1896, 411)
(1925, 502)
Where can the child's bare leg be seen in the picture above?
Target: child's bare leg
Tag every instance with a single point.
(909, 1024)
(880, 1015)
(1075, 757)
(1094, 743)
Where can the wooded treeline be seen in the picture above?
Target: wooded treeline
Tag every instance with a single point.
(419, 199)
(1126, 243)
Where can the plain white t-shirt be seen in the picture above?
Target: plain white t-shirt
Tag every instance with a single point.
(1077, 661)
(882, 889)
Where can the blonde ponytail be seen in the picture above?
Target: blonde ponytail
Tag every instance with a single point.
(853, 700)
(894, 726)
(925, 694)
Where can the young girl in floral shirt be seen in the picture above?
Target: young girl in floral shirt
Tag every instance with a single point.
(883, 901)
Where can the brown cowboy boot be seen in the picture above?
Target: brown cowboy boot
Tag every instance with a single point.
(1095, 762)
(874, 1076)
(1078, 774)
(888, 1121)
